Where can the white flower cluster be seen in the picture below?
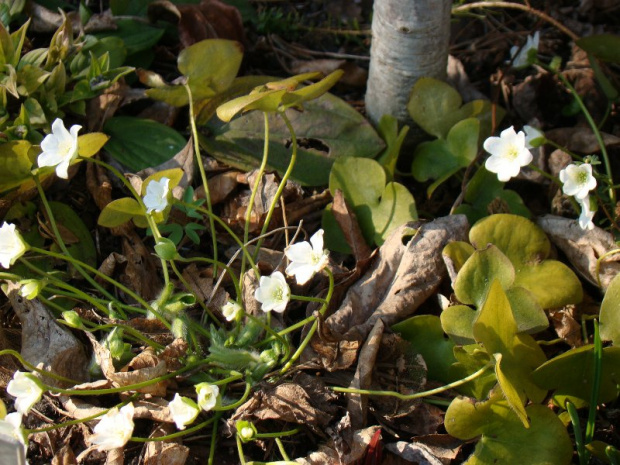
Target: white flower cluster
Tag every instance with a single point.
(306, 259)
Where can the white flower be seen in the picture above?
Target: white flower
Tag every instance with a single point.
(11, 426)
(273, 292)
(207, 395)
(30, 288)
(114, 429)
(508, 154)
(526, 55)
(585, 218)
(246, 433)
(12, 246)
(534, 137)
(26, 391)
(156, 198)
(230, 310)
(578, 180)
(60, 148)
(183, 410)
(307, 259)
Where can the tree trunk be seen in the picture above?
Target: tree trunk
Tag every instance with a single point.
(409, 40)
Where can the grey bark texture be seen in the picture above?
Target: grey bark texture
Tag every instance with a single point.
(409, 40)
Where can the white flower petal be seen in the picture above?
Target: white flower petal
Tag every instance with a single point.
(12, 246)
(508, 154)
(59, 148)
(307, 258)
(183, 410)
(156, 198)
(273, 292)
(114, 429)
(25, 390)
(299, 252)
(207, 395)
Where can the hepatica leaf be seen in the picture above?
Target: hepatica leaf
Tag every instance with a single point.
(610, 314)
(503, 438)
(379, 207)
(327, 130)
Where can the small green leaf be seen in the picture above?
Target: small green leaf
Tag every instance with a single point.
(119, 212)
(471, 358)
(426, 337)
(610, 313)
(458, 321)
(432, 106)
(15, 164)
(166, 249)
(141, 143)
(503, 439)
(458, 252)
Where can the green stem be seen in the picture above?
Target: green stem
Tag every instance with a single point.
(314, 327)
(176, 435)
(282, 450)
(593, 126)
(596, 384)
(240, 450)
(233, 406)
(582, 453)
(417, 395)
(106, 278)
(31, 367)
(282, 185)
(203, 175)
(76, 263)
(282, 434)
(259, 177)
(303, 298)
(599, 260)
(217, 417)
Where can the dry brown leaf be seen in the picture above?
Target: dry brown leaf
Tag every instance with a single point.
(141, 274)
(434, 449)
(346, 219)
(357, 404)
(115, 457)
(566, 326)
(583, 248)
(201, 283)
(305, 402)
(173, 354)
(144, 367)
(580, 139)
(164, 453)
(406, 271)
(45, 343)
(78, 408)
(220, 187)
(64, 456)
(328, 455)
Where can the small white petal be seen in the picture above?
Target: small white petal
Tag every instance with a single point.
(12, 246)
(183, 410)
(307, 258)
(273, 292)
(25, 390)
(508, 154)
(577, 180)
(586, 216)
(230, 310)
(156, 198)
(114, 429)
(59, 148)
(207, 395)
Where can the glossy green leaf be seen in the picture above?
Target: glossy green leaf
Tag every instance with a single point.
(327, 129)
(379, 208)
(610, 313)
(433, 105)
(426, 337)
(503, 439)
(141, 143)
(516, 354)
(603, 46)
(458, 322)
(119, 212)
(572, 374)
(457, 253)
(526, 245)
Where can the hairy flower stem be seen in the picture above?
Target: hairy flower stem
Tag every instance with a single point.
(61, 243)
(203, 176)
(282, 185)
(417, 395)
(314, 327)
(121, 287)
(259, 177)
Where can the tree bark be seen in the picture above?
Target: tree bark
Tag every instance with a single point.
(409, 40)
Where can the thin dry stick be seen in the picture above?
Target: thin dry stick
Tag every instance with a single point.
(518, 6)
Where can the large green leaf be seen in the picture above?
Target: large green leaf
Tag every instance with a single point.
(119, 212)
(572, 374)
(503, 439)
(426, 337)
(141, 143)
(516, 354)
(603, 46)
(610, 313)
(327, 129)
(379, 208)
(526, 245)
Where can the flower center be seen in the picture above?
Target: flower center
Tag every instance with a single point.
(65, 147)
(582, 177)
(278, 293)
(512, 152)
